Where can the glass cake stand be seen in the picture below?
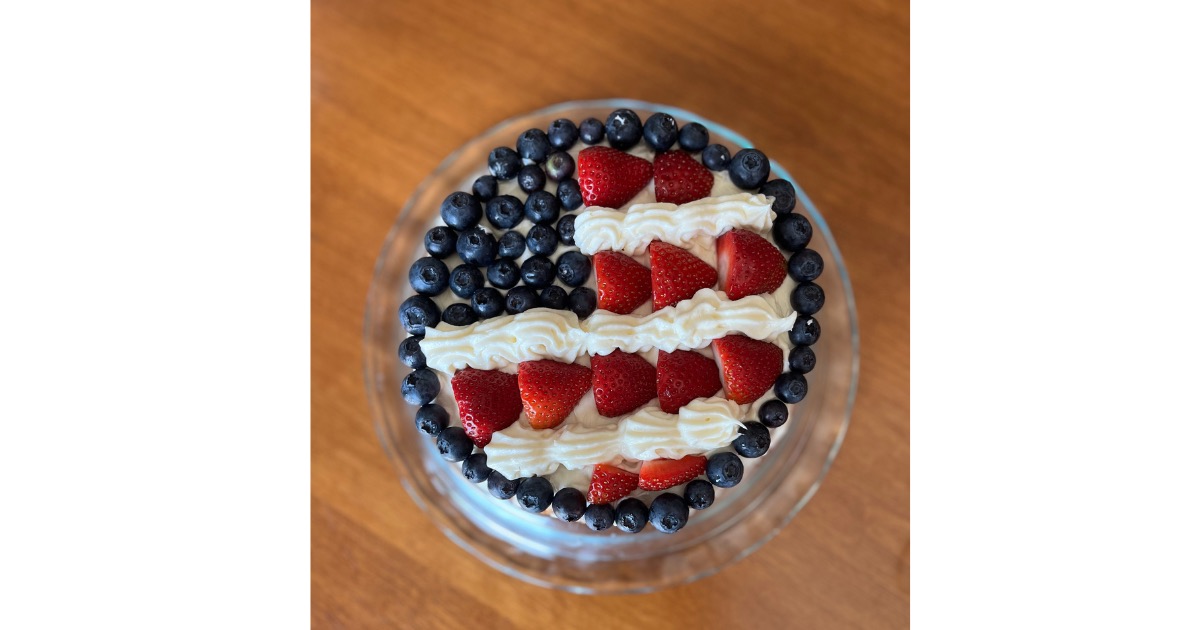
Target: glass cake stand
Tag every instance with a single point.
(543, 550)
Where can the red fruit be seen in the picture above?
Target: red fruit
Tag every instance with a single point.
(610, 178)
(623, 382)
(661, 474)
(680, 178)
(750, 367)
(550, 390)
(676, 275)
(684, 376)
(488, 401)
(749, 264)
(610, 484)
(623, 283)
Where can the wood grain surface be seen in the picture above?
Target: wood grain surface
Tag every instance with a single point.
(821, 87)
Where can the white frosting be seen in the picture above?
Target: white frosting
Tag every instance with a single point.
(701, 426)
(598, 229)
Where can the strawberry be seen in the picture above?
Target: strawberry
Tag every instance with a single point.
(550, 390)
(623, 283)
(610, 484)
(684, 376)
(750, 367)
(622, 382)
(680, 178)
(610, 178)
(749, 264)
(676, 275)
(488, 401)
(661, 474)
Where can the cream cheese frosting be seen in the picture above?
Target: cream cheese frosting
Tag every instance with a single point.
(631, 232)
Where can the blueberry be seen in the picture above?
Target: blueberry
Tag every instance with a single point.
(582, 302)
(805, 332)
(505, 211)
(535, 494)
(487, 303)
(440, 241)
(553, 297)
(754, 440)
(511, 245)
(599, 516)
(724, 470)
(542, 207)
(569, 195)
(429, 276)
(420, 387)
(792, 232)
(431, 419)
(805, 265)
(461, 210)
(537, 272)
(569, 504)
(477, 247)
(542, 239)
(773, 413)
(417, 313)
(715, 157)
(485, 187)
(502, 487)
(699, 494)
(791, 387)
(533, 145)
(563, 133)
(519, 300)
(465, 280)
(566, 229)
(475, 468)
(632, 515)
(624, 129)
(504, 163)
(504, 274)
(559, 166)
(807, 298)
(410, 352)
(531, 178)
(693, 137)
(591, 131)
(459, 314)
(749, 169)
(661, 131)
(574, 268)
(668, 513)
(802, 359)
(453, 444)
(783, 192)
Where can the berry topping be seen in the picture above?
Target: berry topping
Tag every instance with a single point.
(792, 232)
(582, 302)
(511, 245)
(566, 229)
(805, 265)
(693, 137)
(748, 264)
(807, 298)
(610, 483)
(684, 376)
(477, 247)
(533, 145)
(599, 516)
(623, 283)
(724, 470)
(773, 414)
(542, 239)
(459, 314)
(554, 297)
(699, 494)
(535, 494)
(624, 129)
(802, 359)
(569, 194)
(465, 280)
(622, 382)
(679, 178)
(754, 440)
(410, 352)
(461, 210)
(488, 401)
(504, 163)
(660, 474)
(591, 131)
(563, 133)
(715, 157)
(542, 207)
(485, 187)
(661, 131)
(749, 169)
(668, 513)
(440, 241)
(560, 166)
(805, 332)
(632, 515)
(502, 487)
(429, 276)
(791, 387)
(574, 269)
(487, 303)
(537, 272)
(519, 300)
(432, 419)
(610, 178)
(505, 211)
(676, 275)
(531, 178)
(569, 504)
(453, 444)
(417, 313)
(784, 193)
(749, 366)
(475, 468)
(550, 390)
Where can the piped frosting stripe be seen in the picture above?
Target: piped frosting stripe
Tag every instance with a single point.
(631, 232)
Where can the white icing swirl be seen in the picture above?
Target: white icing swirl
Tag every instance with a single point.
(598, 229)
(539, 333)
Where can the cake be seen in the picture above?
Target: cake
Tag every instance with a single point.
(613, 319)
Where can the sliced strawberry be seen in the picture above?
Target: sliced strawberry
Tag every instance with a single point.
(661, 474)
(680, 178)
(676, 275)
(488, 401)
(610, 178)
(550, 390)
(610, 484)
(684, 376)
(749, 264)
(750, 367)
(623, 382)
(623, 283)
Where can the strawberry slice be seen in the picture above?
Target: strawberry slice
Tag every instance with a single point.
(622, 282)
(610, 178)
(680, 178)
(550, 390)
(676, 275)
(750, 367)
(623, 382)
(610, 484)
(749, 264)
(661, 474)
(684, 376)
(488, 401)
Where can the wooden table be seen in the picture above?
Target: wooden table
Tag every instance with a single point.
(822, 87)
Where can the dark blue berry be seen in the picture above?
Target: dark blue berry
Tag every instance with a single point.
(511, 245)
(802, 359)
(461, 210)
(791, 387)
(599, 516)
(505, 211)
(668, 513)
(805, 265)
(487, 303)
(632, 515)
(475, 468)
(542, 239)
(582, 302)
(410, 352)
(485, 187)
(459, 314)
(569, 504)
(661, 131)
(454, 445)
(559, 166)
(465, 280)
(693, 137)
(724, 470)
(792, 232)
(477, 247)
(519, 300)
(504, 274)
(569, 194)
(566, 229)
(773, 413)
(749, 169)
(417, 313)
(807, 298)
(784, 193)
(562, 134)
(420, 387)
(440, 241)
(574, 268)
(533, 145)
(805, 332)
(542, 207)
(502, 487)
(537, 272)
(504, 163)
(554, 297)
(624, 129)
(535, 494)
(715, 157)
(531, 178)
(591, 131)
(754, 440)
(699, 494)
(429, 276)
(432, 419)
